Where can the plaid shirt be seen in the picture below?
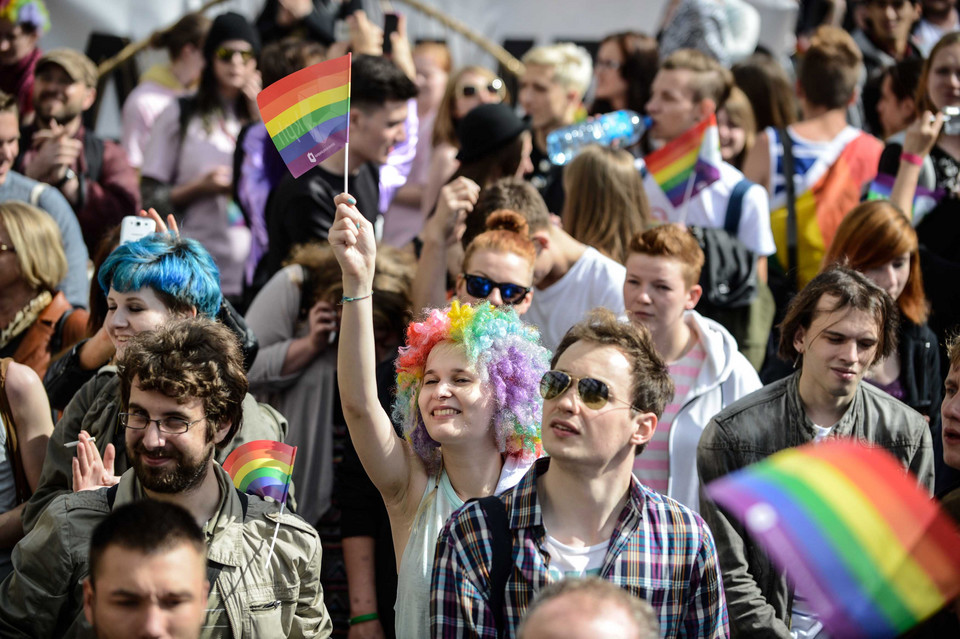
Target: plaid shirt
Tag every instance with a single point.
(660, 551)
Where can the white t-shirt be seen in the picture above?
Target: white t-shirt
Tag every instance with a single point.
(568, 562)
(594, 280)
(708, 208)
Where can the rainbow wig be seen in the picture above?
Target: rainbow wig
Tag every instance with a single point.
(32, 13)
(508, 356)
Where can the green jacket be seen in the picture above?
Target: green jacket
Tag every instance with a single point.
(44, 595)
(95, 409)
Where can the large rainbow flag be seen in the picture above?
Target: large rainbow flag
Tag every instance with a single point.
(262, 467)
(924, 200)
(307, 113)
(868, 550)
(687, 165)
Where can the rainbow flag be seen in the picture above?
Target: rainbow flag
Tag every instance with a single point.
(695, 156)
(262, 467)
(868, 550)
(307, 113)
(924, 200)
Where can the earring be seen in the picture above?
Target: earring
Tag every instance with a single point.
(796, 361)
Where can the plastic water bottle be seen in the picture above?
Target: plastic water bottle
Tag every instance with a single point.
(623, 126)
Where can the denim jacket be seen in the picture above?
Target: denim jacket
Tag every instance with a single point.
(44, 597)
(767, 421)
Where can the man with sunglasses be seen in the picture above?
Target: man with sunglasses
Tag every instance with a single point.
(182, 387)
(580, 512)
(92, 173)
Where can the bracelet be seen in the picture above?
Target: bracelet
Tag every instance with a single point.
(370, 616)
(912, 158)
(345, 299)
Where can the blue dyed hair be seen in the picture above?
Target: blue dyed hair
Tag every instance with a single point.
(179, 270)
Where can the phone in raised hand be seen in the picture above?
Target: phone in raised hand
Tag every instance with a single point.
(134, 227)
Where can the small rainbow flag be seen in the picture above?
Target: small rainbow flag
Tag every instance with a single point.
(307, 113)
(695, 156)
(924, 200)
(868, 550)
(262, 467)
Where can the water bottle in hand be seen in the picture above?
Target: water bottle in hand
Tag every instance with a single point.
(624, 127)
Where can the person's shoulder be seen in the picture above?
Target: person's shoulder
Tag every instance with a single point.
(895, 410)
(262, 516)
(754, 401)
(593, 261)
(672, 517)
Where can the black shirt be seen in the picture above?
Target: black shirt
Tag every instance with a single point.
(548, 179)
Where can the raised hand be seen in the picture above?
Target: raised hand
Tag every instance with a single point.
(922, 135)
(355, 246)
(90, 471)
(457, 199)
(162, 227)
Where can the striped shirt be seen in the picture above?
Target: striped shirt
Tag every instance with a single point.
(652, 466)
(660, 551)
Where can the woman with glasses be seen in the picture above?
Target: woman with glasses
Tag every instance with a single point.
(467, 404)
(147, 283)
(467, 89)
(624, 70)
(188, 163)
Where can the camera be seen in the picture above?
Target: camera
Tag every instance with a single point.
(951, 120)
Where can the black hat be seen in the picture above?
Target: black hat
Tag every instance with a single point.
(487, 128)
(230, 26)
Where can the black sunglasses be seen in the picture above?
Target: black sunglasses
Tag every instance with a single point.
(226, 54)
(594, 393)
(480, 287)
(495, 87)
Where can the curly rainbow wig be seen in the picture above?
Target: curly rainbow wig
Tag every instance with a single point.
(508, 356)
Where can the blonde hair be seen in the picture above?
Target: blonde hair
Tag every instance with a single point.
(445, 124)
(37, 242)
(605, 202)
(572, 66)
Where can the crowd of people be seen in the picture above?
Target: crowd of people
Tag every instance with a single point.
(611, 344)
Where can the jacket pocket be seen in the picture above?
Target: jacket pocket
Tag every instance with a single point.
(270, 610)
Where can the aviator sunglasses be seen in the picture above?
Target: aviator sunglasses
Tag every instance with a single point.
(226, 54)
(594, 393)
(495, 88)
(480, 287)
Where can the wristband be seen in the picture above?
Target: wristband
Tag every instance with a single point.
(345, 299)
(370, 616)
(911, 158)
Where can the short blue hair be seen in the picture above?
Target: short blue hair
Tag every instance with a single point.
(178, 269)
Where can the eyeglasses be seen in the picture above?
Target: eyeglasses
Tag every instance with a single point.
(495, 87)
(480, 287)
(4, 248)
(613, 65)
(168, 425)
(225, 54)
(594, 393)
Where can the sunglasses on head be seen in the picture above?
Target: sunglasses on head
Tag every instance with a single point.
(226, 54)
(495, 87)
(480, 287)
(593, 393)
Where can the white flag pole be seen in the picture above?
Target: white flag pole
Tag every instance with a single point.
(687, 194)
(346, 164)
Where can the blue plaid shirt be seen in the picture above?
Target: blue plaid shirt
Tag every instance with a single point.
(660, 551)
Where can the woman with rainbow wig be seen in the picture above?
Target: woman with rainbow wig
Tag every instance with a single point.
(468, 404)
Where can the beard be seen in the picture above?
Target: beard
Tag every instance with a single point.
(186, 473)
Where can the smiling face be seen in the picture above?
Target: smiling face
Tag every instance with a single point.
(672, 106)
(943, 82)
(16, 41)
(374, 132)
(498, 266)
(478, 86)
(602, 438)
(132, 312)
(9, 143)
(167, 463)
(655, 294)
(455, 404)
(57, 97)
(837, 348)
(891, 276)
(161, 595)
(950, 414)
(890, 21)
(732, 137)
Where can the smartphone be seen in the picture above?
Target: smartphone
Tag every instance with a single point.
(951, 120)
(134, 227)
(390, 22)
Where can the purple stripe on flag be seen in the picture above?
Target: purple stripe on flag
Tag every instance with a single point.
(267, 487)
(706, 174)
(320, 152)
(308, 140)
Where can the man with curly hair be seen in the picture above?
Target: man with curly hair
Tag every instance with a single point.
(182, 387)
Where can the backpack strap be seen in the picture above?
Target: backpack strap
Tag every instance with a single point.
(501, 563)
(731, 222)
(792, 260)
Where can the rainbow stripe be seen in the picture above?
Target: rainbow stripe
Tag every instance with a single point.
(924, 200)
(262, 467)
(869, 551)
(695, 155)
(307, 113)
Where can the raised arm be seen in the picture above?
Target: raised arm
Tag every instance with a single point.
(384, 456)
(919, 141)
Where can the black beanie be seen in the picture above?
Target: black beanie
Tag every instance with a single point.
(485, 129)
(230, 26)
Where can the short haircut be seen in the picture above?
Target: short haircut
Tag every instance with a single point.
(374, 81)
(651, 386)
(512, 194)
(675, 242)
(830, 69)
(606, 202)
(770, 91)
(710, 80)
(600, 591)
(572, 66)
(37, 241)
(280, 59)
(853, 290)
(194, 357)
(904, 77)
(149, 527)
(873, 234)
(506, 232)
(8, 104)
(190, 29)
(178, 269)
